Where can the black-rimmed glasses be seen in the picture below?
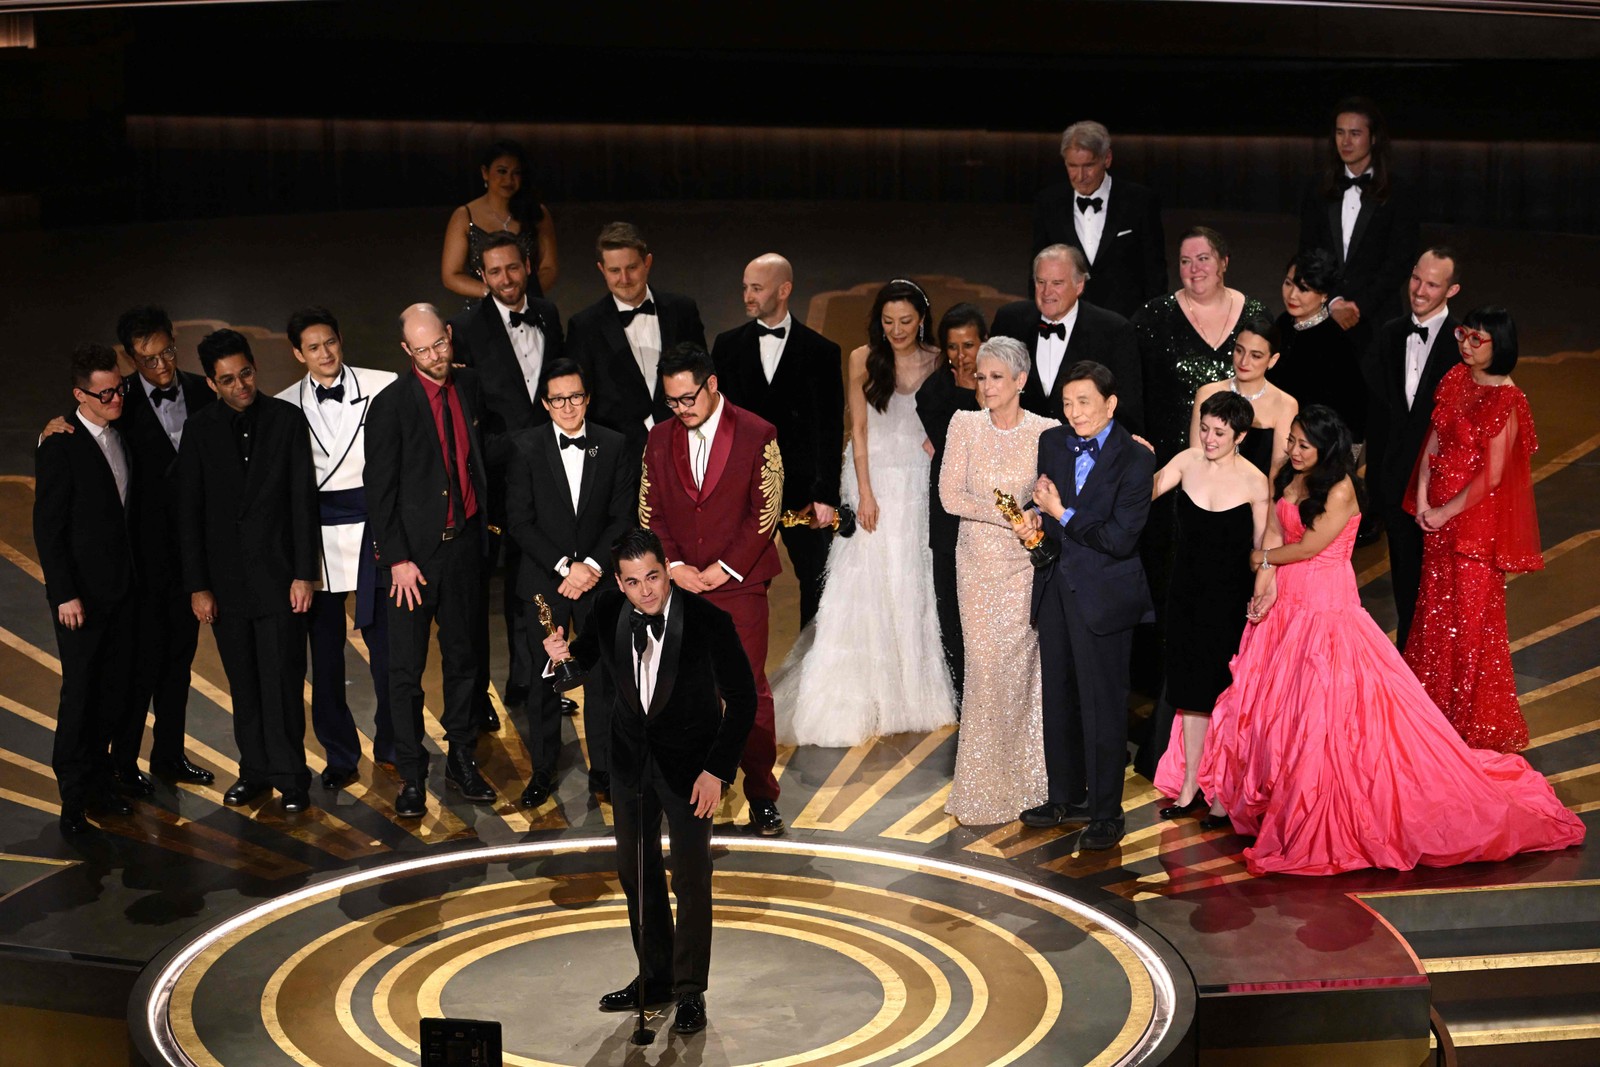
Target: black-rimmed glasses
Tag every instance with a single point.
(105, 395)
(678, 403)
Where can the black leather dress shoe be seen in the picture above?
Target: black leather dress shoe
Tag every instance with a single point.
(1178, 811)
(691, 1017)
(411, 802)
(338, 777)
(764, 820)
(296, 800)
(627, 998)
(569, 706)
(516, 696)
(243, 792)
(461, 774)
(1101, 835)
(75, 823)
(489, 719)
(133, 782)
(109, 803)
(1048, 815)
(540, 786)
(181, 770)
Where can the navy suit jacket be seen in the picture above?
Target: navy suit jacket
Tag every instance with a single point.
(1100, 544)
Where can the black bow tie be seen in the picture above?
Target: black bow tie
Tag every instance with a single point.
(643, 624)
(169, 393)
(574, 442)
(1360, 180)
(1420, 331)
(523, 318)
(334, 393)
(770, 331)
(1090, 445)
(646, 308)
(1052, 329)
(1087, 202)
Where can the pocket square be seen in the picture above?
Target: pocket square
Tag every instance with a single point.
(1124, 233)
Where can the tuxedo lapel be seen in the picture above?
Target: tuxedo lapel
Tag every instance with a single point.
(1116, 216)
(747, 359)
(626, 366)
(1336, 228)
(499, 340)
(1363, 220)
(551, 449)
(628, 677)
(667, 669)
(680, 459)
(721, 447)
(591, 471)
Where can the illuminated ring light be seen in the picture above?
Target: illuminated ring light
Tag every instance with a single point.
(411, 972)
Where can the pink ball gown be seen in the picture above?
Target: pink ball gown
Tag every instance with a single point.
(1327, 749)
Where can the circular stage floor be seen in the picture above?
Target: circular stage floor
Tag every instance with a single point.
(823, 954)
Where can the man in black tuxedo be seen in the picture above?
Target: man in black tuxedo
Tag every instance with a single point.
(251, 550)
(790, 375)
(426, 494)
(1411, 356)
(685, 699)
(1118, 233)
(619, 340)
(84, 494)
(509, 338)
(572, 488)
(1061, 329)
(1094, 493)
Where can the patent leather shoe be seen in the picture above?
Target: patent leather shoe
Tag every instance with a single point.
(569, 706)
(243, 792)
(1049, 814)
(488, 719)
(296, 800)
(691, 1017)
(1178, 811)
(461, 774)
(540, 786)
(1101, 835)
(764, 818)
(133, 782)
(181, 770)
(627, 998)
(411, 801)
(75, 823)
(337, 777)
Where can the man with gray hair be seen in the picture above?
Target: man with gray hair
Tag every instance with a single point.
(1061, 329)
(1118, 233)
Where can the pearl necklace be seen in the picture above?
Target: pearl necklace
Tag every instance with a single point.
(1233, 384)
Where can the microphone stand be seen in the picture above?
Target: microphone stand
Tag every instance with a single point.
(642, 1035)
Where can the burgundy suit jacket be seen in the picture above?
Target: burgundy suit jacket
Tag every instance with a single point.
(732, 516)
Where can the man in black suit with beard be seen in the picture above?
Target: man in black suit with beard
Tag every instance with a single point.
(426, 494)
(790, 375)
(251, 550)
(572, 488)
(685, 700)
(1412, 355)
(84, 496)
(509, 338)
(1118, 231)
(1062, 329)
(619, 340)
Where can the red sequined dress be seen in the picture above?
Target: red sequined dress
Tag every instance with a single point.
(1458, 645)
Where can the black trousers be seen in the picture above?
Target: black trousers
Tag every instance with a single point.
(677, 958)
(331, 719)
(948, 606)
(808, 551)
(544, 703)
(1405, 567)
(1085, 678)
(165, 634)
(96, 662)
(265, 660)
(454, 598)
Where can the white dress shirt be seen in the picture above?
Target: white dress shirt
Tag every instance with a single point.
(110, 443)
(1052, 350)
(572, 465)
(333, 417)
(527, 341)
(644, 338)
(170, 413)
(1351, 209)
(772, 347)
(1091, 224)
(1417, 351)
(647, 665)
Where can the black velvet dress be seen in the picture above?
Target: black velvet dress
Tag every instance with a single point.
(1318, 365)
(1206, 600)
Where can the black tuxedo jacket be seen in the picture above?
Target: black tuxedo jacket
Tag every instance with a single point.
(1383, 247)
(622, 398)
(539, 513)
(1130, 267)
(82, 529)
(481, 343)
(1100, 543)
(938, 399)
(804, 402)
(408, 488)
(1100, 335)
(1396, 433)
(246, 534)
(154, 460)
(705, 696)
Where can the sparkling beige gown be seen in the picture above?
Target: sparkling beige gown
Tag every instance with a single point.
(1000, 749)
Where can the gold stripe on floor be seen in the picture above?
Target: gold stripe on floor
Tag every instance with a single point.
(867, 773)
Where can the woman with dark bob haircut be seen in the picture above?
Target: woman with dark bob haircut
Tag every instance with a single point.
(1472, 494)
(1325, 747)
(1317, 363)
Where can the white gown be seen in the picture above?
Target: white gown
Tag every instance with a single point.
(871, 663)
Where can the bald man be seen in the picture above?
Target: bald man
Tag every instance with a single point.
(791, 376)
(426, 498)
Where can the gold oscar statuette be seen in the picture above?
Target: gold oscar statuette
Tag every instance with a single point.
(565, 674)
(1041, 550)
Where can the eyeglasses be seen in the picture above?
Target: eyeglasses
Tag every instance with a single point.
(166, 355)
(1472, 337)
(246, 374)
(678, 403)
(440, 349)
(571, 400)
(105, 395)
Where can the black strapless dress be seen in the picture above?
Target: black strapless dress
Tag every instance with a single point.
(1257, 448)
(1206, 600)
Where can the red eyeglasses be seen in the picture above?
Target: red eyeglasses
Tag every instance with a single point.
(1472, 337)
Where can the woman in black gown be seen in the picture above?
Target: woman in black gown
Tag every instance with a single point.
(1220, 515)
(1318, 364)
(510, 203)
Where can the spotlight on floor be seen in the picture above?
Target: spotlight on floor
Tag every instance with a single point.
(460, 1043)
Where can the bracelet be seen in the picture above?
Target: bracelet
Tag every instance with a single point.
(1266, 564)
